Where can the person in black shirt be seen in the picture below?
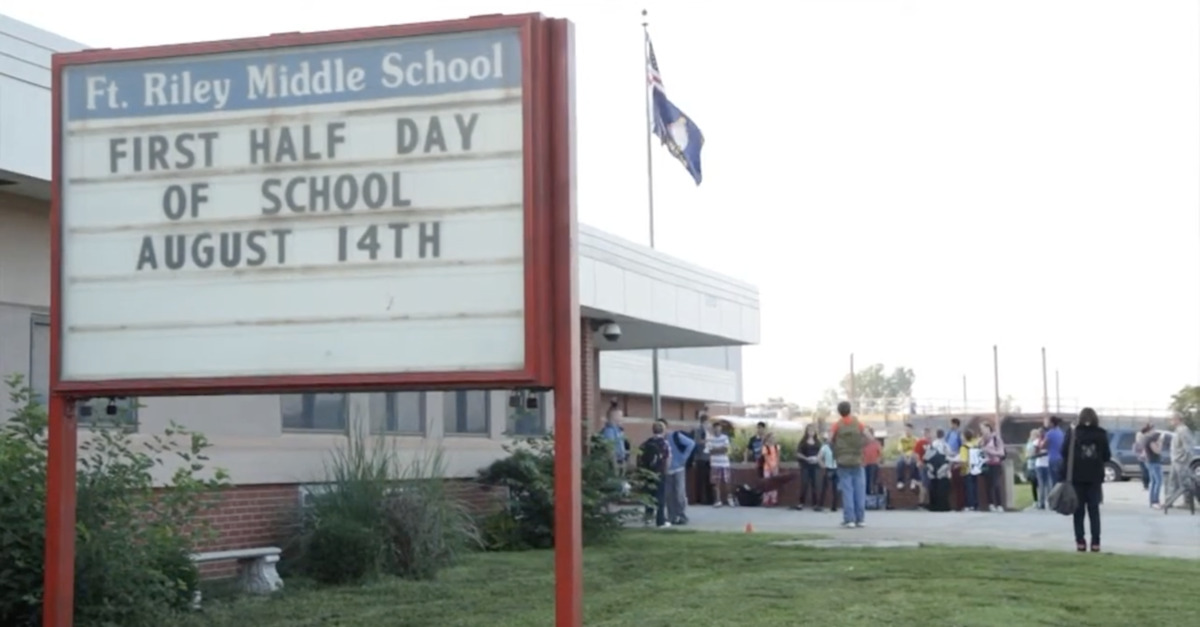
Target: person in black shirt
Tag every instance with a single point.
(1152, 450)
(1086, 448)
(807, 453)
(755, 446)
(700, 464)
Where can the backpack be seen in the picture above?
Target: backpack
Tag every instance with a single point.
(848, 443)
(653, 454)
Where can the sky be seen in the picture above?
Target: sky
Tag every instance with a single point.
(912, 182)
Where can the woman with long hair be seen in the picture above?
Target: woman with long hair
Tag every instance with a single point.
(993, 469)
(1085, 449)
(808, 451)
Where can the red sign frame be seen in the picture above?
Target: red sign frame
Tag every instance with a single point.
(534, 87)
(552, 325)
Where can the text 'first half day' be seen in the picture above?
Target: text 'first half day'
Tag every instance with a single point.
(275, 81)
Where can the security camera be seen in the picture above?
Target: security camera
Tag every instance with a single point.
(611, 331)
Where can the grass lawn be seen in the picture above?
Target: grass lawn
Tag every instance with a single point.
(711, 579)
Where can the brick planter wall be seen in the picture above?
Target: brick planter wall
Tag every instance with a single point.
(899, 499)
(254, 516)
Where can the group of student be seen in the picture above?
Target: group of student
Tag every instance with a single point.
(924, 464)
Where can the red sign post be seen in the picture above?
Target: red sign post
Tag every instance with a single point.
(439, 213)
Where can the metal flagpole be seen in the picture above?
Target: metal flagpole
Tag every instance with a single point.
(656, 398)
(1057, 398)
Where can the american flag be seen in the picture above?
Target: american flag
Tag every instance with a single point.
(653, 77)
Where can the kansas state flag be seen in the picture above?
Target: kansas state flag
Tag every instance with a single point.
(677, 131)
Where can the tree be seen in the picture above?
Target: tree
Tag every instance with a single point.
(876, 391)
(1186, 403)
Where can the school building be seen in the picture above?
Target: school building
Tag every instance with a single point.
(273, 446)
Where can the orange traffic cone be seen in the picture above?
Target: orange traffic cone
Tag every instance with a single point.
(749, 528)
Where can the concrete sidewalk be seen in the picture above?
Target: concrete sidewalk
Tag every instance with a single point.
(1129, 527)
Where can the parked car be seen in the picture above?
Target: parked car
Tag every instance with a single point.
(1124, 465)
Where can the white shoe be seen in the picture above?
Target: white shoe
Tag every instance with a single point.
(899, 485)
(717, 504)
(665, 525)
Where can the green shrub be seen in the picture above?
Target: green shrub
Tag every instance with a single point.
(740, 441)
(419, 528)
(427, 528)
(528, 473)
(343, 551)
(132, 565)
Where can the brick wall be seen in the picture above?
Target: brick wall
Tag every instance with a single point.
(592, 404)
(245, 517)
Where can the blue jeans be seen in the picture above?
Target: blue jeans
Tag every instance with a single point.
(1156, 480)
(1056, 472)
(906, 471)
(1044, 485)
(659, 495)
(971, 482)
(853, 484)
(872, 477)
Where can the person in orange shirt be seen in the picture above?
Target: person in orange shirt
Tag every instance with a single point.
(769, 463)
(872, 453)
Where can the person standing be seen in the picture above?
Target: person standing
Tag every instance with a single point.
(769, 467)
(830, 481)
(1088, 444)
(974, 470)
(1182, 455)
(954, 437)
(722, 473)
(993, 469)
(1139, 450)
(1153, 460)
(849, 439)
(1031, 456)
(655, 458)
(808, 451)
(1041, 466)
(753, 452)
(1054, 448)
(681, 449)
(937, 470)
(872, 453)
(614, 434)
(701, 462)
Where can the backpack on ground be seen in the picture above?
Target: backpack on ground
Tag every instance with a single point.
(748, 497)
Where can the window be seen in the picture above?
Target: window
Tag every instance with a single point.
(314, 412)
(39, 358)
(1125, 441)
(466, 412)
(92, 412)
(522, 420)
(398, 412)
(104, 412)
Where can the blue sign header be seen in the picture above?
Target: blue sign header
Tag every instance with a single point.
(293, 77)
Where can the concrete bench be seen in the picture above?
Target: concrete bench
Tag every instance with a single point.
(256, 568)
